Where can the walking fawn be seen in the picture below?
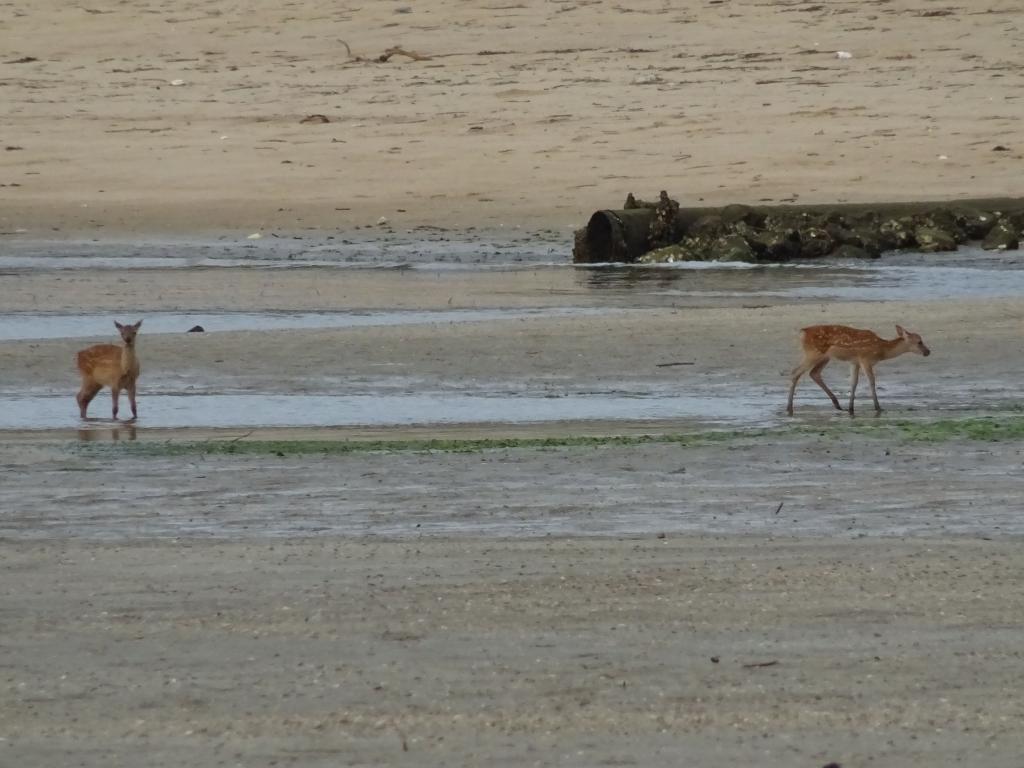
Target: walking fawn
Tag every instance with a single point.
(108, 365)
(862, 349)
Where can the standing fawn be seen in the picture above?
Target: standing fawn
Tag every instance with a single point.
(862, 349)
(108, 365)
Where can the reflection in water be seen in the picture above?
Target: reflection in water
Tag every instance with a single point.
(704, 279)
(907, 278)
(107, 434)
(630, 276)
(259, 410)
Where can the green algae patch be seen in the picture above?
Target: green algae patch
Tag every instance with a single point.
(985, 429)
(1006, 426)
(345, 447)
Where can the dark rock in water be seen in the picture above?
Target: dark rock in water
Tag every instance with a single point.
(580, 249)
(663, 229)
(847, 251)
(841, 234)
(773, 244)
(1003, 236)
(870, 241)
(1016, 218)
(976, 224)
(197, 329)
(897, 233)
(815, 242)
(933, 239)
(782, 232)
(731, 248)
(945, 220)
(668, 255)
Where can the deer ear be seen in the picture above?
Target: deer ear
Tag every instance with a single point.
(138, 325)
(119, 326)
(901, 331)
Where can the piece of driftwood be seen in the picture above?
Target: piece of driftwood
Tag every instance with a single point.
(395, 50)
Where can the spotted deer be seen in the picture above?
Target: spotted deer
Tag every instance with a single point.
(860, 348)
(110, 365)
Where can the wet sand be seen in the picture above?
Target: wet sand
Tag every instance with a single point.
(635, 651)
(655, 340)
(513, 606)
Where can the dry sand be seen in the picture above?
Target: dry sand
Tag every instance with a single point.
(163, 646)
(527, 114)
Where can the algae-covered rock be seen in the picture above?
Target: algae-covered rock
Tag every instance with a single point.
(667, 255)
(815, 242)
(664, 227)
(870, 241)
(841, 234)
(1002, 237)
(933, 239)
(944, 220)
(976, 224)
(696, 248)
(1016, 218)
(773, 244)
(897, 233)
(731, 248)
(847, 251)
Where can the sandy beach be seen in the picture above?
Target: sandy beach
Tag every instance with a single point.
(520, 115)
(720, 586)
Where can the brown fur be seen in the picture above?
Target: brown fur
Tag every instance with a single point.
(110, 365)
(862, 349)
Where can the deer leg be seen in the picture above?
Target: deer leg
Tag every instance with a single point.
(870, 371)
(854, 377)
(85, 396)
(799, 371)
(816, 375)
(131, 400)
(115, 395)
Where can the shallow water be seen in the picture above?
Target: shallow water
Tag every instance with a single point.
(378, 248)
(27, 325)
(263, 410)
(921, 277)
(590, 290)
(402, 402)
(968, 272)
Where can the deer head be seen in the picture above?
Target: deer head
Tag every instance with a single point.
(128, 332)
(913, 341)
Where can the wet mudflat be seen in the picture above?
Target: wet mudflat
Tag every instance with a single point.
(808, 483)
(225, 581)
(327, 651)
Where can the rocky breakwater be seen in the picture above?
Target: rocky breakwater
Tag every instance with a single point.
(663, 232)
